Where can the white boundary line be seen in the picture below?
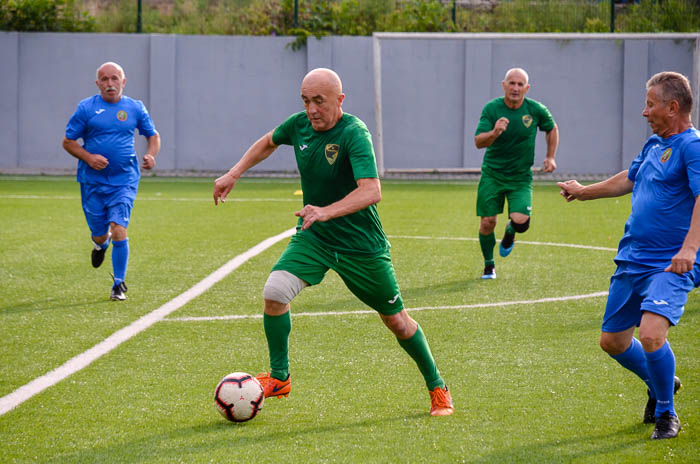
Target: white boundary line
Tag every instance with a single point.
(23, 393)
(367, 311)
(567, 245)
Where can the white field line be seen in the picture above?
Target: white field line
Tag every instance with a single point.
(367, 311)
(69, 197)
(567, 245)
(23, 393)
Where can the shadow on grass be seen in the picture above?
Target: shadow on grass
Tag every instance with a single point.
(188, 442)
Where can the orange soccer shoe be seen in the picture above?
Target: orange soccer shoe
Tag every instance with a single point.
(441, 402)
(273, 386)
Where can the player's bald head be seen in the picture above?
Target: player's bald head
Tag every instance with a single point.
(516, 72)
(110, 66)
(323, 79)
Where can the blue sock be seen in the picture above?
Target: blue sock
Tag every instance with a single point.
(635, 360)
(662, 367)
(120, 259)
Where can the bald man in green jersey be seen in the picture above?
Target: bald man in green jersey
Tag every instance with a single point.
(507, 129)
(338, 228)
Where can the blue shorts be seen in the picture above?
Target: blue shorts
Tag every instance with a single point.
(103, 204)
(636, 288)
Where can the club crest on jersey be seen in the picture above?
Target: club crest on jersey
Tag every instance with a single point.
(332, 153)
(665, 155)
(122, 115)
(527, 120)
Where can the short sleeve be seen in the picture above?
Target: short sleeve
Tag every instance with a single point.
(145, 125)
(361, 153)
(282, 134)
(77, 124)
(635, 165)
(692, 166)
(546, 120)
(486, 122)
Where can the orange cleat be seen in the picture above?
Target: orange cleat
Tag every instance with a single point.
(441, 402)
(273, 386)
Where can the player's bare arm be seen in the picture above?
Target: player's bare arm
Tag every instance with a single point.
(152, 149)
(257, 152)
(684, 260)
(367, 193)
(552, 139)
(614, 186)
(486, 139)
(95, 161)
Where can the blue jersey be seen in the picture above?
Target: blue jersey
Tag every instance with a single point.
(666, 176)
(107, 129)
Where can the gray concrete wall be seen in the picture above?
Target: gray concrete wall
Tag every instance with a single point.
(212, 96)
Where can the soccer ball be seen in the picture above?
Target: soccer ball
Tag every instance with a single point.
(239, 397)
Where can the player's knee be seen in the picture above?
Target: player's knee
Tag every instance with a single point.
(487, 225)
(282, 286)
(613, 345)
(520, 228)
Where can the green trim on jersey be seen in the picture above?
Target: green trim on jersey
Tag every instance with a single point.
(512, 154)
(330, 163)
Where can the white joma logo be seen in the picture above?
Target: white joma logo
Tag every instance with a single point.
(660, 302)
(99, 111)
(393, 300)
(302, 147)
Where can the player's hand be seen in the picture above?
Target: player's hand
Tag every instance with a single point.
(149, 161)
(501, 125)
(549, 165)
(311, 214)
(97, 162)
(222, 186)
(571, 190)
(683, 261)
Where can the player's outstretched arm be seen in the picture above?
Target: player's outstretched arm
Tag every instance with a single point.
(367, 193)
(614, 186)
(257, 152)
(684, 260)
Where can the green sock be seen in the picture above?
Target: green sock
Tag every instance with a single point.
(417, 347)
(277, 330)
(487, 242)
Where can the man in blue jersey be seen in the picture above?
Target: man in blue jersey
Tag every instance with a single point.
(657, 262)
(108, 167)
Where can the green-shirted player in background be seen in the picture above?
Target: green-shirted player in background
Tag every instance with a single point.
(338, 229)
(507, 129)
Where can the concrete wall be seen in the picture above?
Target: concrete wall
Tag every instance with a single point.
(212, 96)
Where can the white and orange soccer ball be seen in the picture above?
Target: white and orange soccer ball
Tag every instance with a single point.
(239, 397)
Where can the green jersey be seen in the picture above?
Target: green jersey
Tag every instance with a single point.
(512, 154)
(330, 163)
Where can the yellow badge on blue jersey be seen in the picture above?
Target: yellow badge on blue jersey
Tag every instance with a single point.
(332, 153)
(665, 155)
(527, 120)
(122, 115)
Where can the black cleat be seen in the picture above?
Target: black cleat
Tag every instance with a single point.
(650, 408)
(489, 272)
(667, 426)
(118, 292)
(98, 253)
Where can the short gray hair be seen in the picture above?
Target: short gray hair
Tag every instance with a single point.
(110, 63)
(673, 86)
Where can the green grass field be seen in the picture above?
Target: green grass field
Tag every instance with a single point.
(529, 382)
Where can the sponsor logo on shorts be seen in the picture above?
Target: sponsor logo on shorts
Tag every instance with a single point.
(122, 115)
(665, 155)
(393, 300)
(303, 147)
(332, 153)
(527, 120)
(660, 302)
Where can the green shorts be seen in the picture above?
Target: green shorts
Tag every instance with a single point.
(371, 278)
(493, 192)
